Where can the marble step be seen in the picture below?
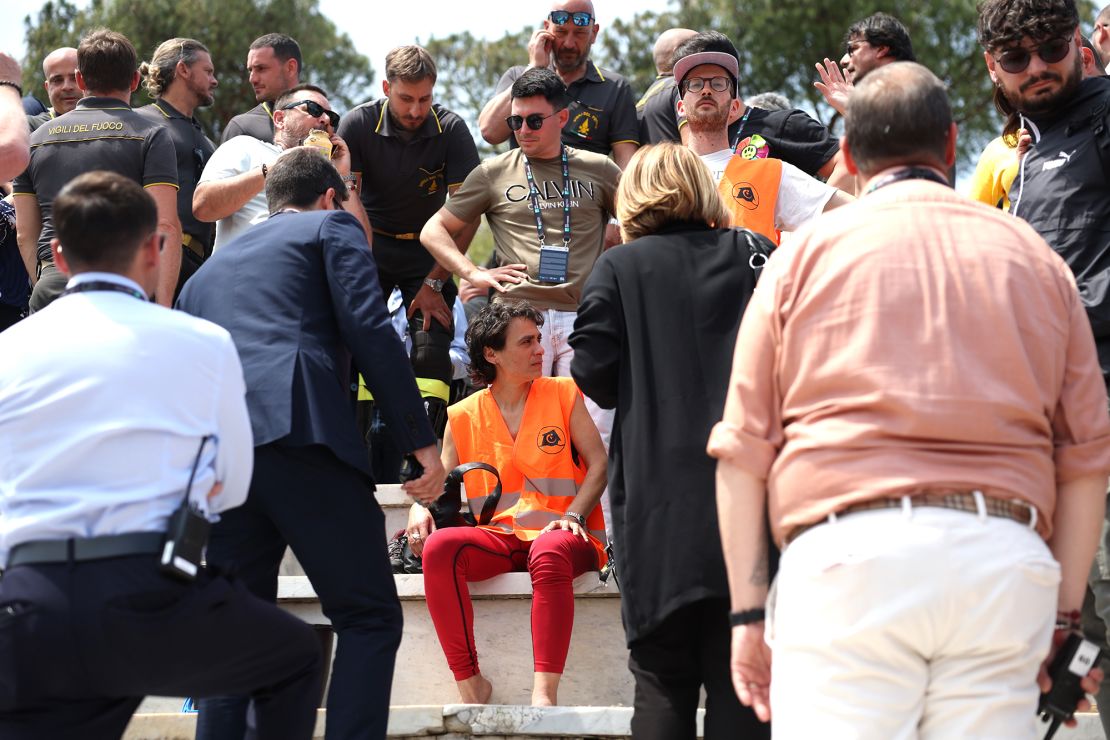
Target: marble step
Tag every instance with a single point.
(458, 721)
(447, 722)
(597, 665)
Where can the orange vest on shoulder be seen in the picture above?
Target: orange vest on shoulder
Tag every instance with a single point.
(750, 190)
(539, 473)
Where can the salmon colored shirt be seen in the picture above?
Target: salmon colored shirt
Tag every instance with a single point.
(914, 339)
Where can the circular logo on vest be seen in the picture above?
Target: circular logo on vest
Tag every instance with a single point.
(754, 147)
(551, 440)
(744, 193)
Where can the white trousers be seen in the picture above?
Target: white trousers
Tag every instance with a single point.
(897, 624)
(557, 354)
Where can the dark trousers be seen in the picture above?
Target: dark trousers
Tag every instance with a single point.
(82, 643)
(50, 285)
(326, 512)
(690, 649)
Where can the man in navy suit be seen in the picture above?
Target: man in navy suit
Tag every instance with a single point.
(299, 294)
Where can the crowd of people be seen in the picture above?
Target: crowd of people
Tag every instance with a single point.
(841, 432)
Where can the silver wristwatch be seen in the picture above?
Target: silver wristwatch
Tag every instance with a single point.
(436, 285)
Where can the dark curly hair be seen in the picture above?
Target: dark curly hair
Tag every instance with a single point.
(1006, 22)
(488, 329)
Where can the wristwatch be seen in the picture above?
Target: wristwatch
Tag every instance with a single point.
(436, 285)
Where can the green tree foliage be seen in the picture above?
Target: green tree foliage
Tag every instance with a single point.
(469, 69)
(226, 27)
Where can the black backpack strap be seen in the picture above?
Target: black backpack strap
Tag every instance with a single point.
(760, 249)
(489, 507)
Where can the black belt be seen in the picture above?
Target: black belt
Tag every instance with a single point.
(1019, 511)
(78, 549)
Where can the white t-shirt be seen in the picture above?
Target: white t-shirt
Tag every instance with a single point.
(801, 197)
(234, 157)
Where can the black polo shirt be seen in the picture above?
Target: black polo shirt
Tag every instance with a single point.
(405, 178)
(657, 113)
(602, 109)
(790, 135)
(99, 134)
(193, 150)
(40, 118)
(257, 122)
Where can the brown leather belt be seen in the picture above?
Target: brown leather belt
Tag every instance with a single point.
(412, 235)
(1019, 511)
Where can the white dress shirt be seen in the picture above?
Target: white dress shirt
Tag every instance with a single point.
(104, 400)
(234, 157)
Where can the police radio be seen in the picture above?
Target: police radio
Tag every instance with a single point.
(186, 534)
(1072, 663)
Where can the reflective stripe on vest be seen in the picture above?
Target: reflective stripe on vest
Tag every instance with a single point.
(429, 388)
(538, 464)
(750, 190)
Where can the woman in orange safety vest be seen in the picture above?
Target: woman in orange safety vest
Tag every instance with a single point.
(536, 431)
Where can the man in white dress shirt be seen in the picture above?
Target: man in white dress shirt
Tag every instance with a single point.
(105, 399)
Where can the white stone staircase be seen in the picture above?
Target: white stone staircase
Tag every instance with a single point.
(595, 694)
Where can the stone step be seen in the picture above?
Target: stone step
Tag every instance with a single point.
(395, 505)
(456, 721)
(597, 666)
(448, 722)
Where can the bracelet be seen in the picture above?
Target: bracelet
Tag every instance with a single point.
(1068, 620)
(748, 616)
(9, 83)
(576, 517)
(348, 178)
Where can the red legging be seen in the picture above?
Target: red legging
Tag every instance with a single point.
(454, 556)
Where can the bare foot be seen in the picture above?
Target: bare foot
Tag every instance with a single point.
(545, 689)
(475, 690)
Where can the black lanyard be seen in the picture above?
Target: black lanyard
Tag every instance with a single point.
(534, 198)
(909, 173)
(740, 131)
(103, 285)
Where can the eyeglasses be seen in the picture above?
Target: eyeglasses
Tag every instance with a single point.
(315, 110)
(559, 17)
(534, 121)
(716, 84)
(1015, 60)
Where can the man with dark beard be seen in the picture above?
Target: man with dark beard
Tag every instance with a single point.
(1033, 53)
(602, 109)
(181, 78)
(764, 194)
(407, 155)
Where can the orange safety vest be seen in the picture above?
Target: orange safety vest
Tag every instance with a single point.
(750, 190)
(539, 474)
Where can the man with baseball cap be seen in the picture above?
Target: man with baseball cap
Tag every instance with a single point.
(762, 193)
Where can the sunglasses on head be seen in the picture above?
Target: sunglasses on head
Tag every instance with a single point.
(534, 121)
(1015, 60)
(559, 17)
(315, 110)
(716, 84)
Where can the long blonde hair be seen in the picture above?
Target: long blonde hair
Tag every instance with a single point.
(665, 183)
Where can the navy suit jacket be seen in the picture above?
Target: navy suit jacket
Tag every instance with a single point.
(299, 294)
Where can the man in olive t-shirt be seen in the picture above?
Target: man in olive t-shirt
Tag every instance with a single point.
(500, 188)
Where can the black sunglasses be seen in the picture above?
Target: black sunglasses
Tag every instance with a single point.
(534, 121)
(559, 17)
(716, 84)
(1015, 60)
(315, 110)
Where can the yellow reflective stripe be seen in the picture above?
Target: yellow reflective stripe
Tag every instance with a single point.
(435, 388)
(438, 124)
(428, 387)
(381, 117)
(167, 184)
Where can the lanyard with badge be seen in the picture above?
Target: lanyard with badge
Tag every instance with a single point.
(553, 258)
(103, 285)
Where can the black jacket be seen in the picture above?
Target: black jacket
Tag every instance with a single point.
(654, 338)
(1063, 191)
